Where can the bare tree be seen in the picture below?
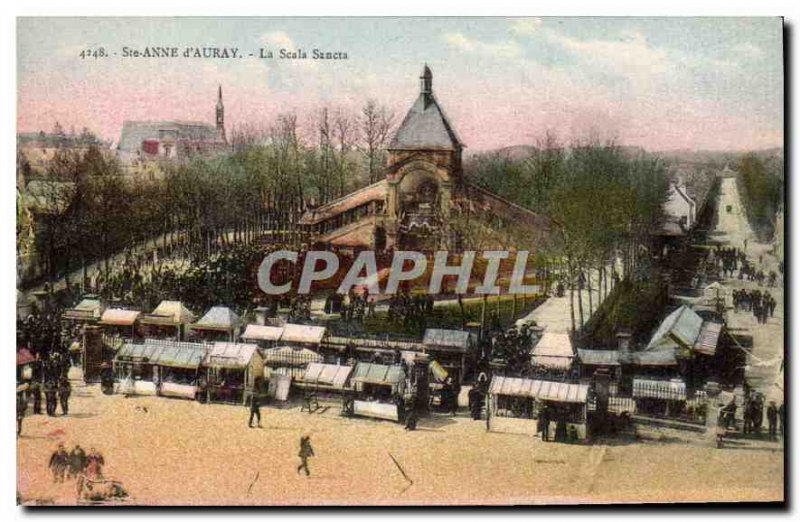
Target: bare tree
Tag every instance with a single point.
(344, 133)
(376, 125)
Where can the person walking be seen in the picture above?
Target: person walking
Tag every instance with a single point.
(64, 392)
(36, 391)
(77, 461)
(255, 409)
(94, 464)
(544, 423)
(306, 451)
(58, 463)
(22, 407)
(772, 418)
(50, 398)
(782, 418)
(749, 408)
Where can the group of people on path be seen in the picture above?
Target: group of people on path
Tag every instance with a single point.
(52, 396)
(761, 304)
(753, 414)
(77, 462)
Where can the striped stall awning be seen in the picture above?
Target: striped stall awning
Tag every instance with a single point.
(539, 389)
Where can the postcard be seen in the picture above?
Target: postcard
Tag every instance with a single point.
(399, 261)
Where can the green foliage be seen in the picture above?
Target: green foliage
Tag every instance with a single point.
(761, 185)
(601, 199)
(635, 307)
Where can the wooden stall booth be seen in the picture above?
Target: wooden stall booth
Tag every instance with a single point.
(219, 324)
(454, 350)
(87, 311)
(324, 378)
(179, 368)
(169, 321)
(117, 322)
(302, 336)
(264, 336)
(231, 372)
(27, 364)
(659, 397)
(518, 405)
(135, 372)
(159, 367)
(378, 391)
(593, 360)
(290, 361)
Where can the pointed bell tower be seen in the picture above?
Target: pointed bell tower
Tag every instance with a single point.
(220, 115)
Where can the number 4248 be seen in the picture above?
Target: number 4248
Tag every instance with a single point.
(99, 52)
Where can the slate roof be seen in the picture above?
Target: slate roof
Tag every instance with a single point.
(681, 327)
(425, 127)
(135, 132)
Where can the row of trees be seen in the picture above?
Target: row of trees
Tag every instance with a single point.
(90, 207)
(604, 202)
(761, 183)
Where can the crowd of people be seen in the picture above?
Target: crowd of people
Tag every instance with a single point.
(732, 263)
(762, 305)
(77, 462)
(409, 309)
(514, 347)
(753, 415)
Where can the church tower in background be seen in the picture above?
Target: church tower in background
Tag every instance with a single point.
(220, 116)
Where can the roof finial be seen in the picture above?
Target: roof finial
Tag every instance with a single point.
(426, 80)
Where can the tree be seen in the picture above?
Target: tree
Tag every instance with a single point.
(376, 125)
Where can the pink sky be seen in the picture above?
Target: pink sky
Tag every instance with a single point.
(494, 85)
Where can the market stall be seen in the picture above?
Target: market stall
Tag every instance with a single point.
(26, 365)
(135, 372)
(594, 360)
(168, 321)
(290, 361)
(178, 366)
(659, 397)
(377, 390)
(302, 335)
(88, 310)
(264, 336)
(219, 324)
(158, 367)
(518, 405)
(231, 372)
(453, 349)
(553, 353)
(120, 323)
(320, 377)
